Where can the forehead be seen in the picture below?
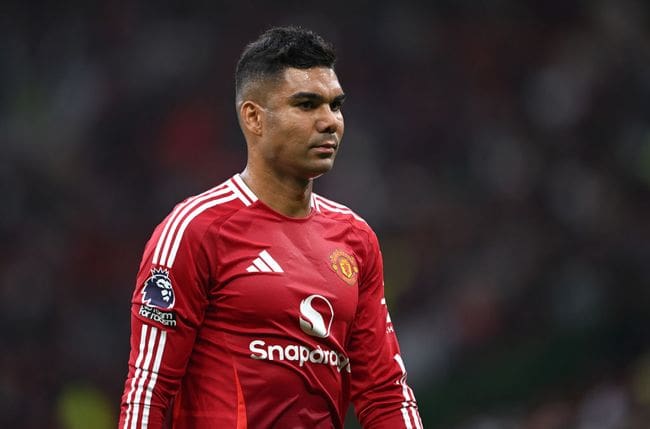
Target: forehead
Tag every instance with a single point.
(318, 80)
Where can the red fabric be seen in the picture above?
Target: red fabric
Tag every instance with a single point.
(275, 322)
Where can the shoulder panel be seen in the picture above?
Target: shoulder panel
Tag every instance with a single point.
(220, 201)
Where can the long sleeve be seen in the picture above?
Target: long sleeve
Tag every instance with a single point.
(166, 310)
(379, 392)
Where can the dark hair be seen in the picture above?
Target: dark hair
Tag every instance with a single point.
(279, 48)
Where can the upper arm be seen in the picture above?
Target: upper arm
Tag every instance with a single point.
(381, 397)
(167, 307)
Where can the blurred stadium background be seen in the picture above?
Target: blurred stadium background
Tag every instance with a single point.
(500, 149)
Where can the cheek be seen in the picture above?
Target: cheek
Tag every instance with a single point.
(295, 134)
(300, 130)
(286, 136)
(286, 124)
(279, 131)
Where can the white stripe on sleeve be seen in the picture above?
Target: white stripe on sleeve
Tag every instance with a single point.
(409, 398)
(136, 375)
(143, 378)
(182, 216)
(174, 215)
(188, 219)
(154, 378)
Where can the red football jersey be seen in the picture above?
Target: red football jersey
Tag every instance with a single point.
(245, 318)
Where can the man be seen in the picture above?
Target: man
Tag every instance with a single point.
(260, 304)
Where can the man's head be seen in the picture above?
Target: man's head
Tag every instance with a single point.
(289, 103)
(265, 59)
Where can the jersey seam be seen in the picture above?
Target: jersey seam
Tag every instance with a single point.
(222, 219)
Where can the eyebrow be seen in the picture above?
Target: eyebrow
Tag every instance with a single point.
(315, 97)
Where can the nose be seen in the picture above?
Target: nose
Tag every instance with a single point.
(328, 121)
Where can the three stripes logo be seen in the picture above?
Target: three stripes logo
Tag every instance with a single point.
(264, 263)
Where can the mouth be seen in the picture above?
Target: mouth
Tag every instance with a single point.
(329, 145)
(324, 150)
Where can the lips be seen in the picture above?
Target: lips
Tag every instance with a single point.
(326, 144)
(324, 149)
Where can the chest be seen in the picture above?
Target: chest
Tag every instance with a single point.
(273, 276)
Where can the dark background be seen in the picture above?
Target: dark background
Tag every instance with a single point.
(500, 149)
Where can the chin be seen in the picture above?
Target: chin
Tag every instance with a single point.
(320, 169)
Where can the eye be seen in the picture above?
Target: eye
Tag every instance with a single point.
(336, 106)
(306, 105)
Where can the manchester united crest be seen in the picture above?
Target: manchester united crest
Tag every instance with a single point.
(344, 265)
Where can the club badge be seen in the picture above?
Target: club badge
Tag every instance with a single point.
(344, 265)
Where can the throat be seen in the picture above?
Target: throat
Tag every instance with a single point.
(297, 207)
(288, 197)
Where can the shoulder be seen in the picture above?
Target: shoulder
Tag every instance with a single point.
(191, 218)
(213, 204)
(338, 211)
(358, 233)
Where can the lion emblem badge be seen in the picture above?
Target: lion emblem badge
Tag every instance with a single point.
(158, 291)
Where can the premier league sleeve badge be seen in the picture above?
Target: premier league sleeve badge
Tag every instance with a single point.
(158, 298)
(158, 291)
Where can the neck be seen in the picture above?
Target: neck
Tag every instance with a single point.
(286, 195)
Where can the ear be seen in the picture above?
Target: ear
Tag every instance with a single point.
(251, 117)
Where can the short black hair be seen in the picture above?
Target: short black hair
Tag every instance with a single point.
(279, 48)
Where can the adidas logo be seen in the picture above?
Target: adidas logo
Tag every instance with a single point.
(264, 263)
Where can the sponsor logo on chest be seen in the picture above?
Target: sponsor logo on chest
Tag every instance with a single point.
(316, 317)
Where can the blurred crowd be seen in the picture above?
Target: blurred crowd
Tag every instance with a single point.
(501, 151)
